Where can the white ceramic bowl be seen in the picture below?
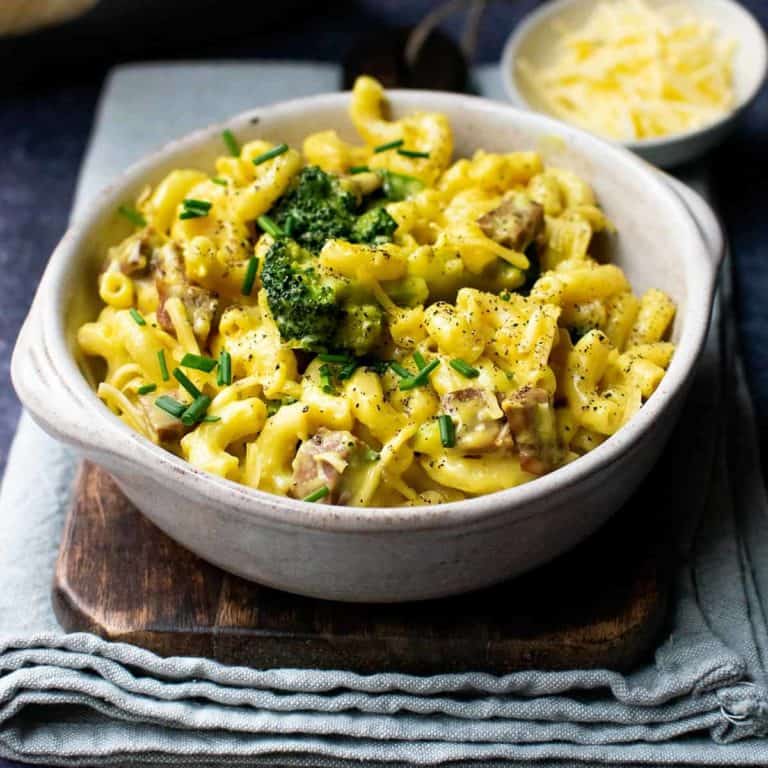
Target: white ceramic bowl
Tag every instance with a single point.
(535, 37)
(669, 239)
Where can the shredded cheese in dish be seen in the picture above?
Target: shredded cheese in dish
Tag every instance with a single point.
(637, 71)
(373, 324)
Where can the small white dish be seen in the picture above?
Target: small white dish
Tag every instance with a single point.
(668, 239)
(534, 40)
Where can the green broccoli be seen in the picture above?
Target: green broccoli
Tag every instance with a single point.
(318, 208)
(315, 209)
(361, 328)
(374, 226)
(303, 302)
(398, 186)
(407, 291)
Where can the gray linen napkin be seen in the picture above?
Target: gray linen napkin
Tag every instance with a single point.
(77, 700)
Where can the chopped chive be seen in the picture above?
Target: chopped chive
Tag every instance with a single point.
(320, 493)
(270, 226)
(418, 358)
(218, 180)
(198, 362)
(211, 419)
(464, 368)
(270, 153)
(290, 225)
(505, 296)
(347, 371)
(250, 276)
(145, 389)
(224, 376)
(192, 214)
(191, 202)
(181, 377)
(359, 169)
(412, 153)
(403, 373)
(328, 357)
(136, 315)
(132, 215)
(170, 405)
(231, 142)
(389, 145)
(326, 378)
(163, 364)
(421, 377)
(196, 411)
(447, 431)
(371, 455)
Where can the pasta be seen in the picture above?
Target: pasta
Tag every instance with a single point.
(373, 324)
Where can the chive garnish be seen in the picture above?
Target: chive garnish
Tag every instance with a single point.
(421, 377)
(136, 315)
(403, 373)
(211, 419)
(270, 226)
(389, 145)
(270, 153)
(290, 225)
(191, 202)
(412, 153)
(371, 455)
(320, 493)
(447, 431)
(196, 411)
(418, 358)
(145, 389)
(132, 215)
(198, 362)
(170, 405)
(464, 368)
(218, 180)
(231, 142)
(329, 357)
(359, 169)
(250, 276)
(181, 377)
(224, 376)
(163, 365)
(326, 378)
(347, 371)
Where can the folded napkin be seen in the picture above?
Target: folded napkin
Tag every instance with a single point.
(78, 700)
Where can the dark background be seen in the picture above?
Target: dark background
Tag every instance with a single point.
(51, 82)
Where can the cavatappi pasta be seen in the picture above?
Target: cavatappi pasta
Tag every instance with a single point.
(373, 324)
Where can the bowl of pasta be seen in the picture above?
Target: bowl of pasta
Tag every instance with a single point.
(665, 78)
(375, 347)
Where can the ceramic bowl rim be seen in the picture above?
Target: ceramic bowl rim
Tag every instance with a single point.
(519, 501)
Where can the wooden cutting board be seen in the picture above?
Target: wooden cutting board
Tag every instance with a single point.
(601, 605)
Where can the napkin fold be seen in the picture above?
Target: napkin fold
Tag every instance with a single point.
(78, 700)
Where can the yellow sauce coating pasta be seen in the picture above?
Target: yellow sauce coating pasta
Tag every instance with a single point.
(373, 324)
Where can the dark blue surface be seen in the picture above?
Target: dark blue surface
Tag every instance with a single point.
(49, 91)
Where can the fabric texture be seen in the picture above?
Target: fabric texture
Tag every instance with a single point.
(78, 700)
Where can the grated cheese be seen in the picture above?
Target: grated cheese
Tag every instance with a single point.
(633, 71)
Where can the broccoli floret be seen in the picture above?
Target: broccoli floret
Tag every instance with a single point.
(301, 299)
(374, 226)
(398, 186)
(315, 209)
(318, 208)
(408, 291)
(361, 328)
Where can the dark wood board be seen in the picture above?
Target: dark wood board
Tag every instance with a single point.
(601, 605)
